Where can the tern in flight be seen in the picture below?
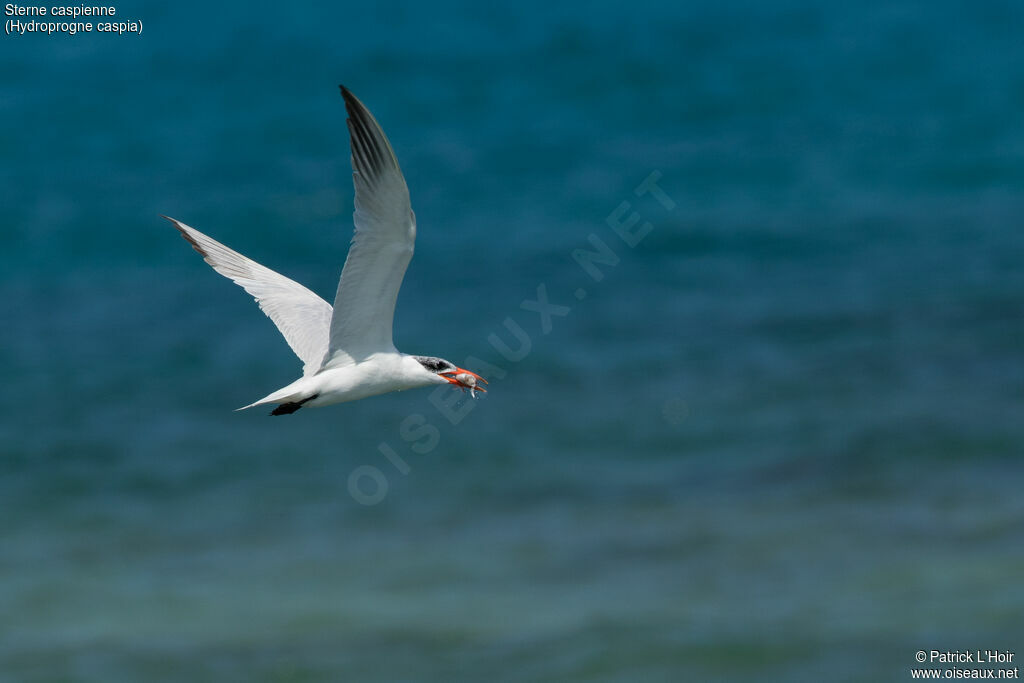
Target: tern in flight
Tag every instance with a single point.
(347, 351)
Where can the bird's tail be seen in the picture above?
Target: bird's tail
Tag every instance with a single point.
(295, 394)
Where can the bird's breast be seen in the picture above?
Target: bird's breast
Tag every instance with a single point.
(350, 383)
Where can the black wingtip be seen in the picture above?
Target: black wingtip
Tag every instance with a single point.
(188, 238)
(352, 104)
(350, 99)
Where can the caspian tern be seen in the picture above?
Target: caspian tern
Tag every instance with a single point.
(347, 351)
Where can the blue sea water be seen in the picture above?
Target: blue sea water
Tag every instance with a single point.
(779, 439)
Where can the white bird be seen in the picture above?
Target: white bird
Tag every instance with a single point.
(347, 351)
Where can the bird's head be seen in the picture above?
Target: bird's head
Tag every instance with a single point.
(446, 371)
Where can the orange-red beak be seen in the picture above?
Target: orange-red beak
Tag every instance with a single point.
(465, 379)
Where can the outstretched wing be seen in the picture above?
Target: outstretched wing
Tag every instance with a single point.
(382, 246)
(302, 317)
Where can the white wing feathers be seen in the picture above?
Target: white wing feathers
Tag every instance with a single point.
(385, 231)
(302, 317)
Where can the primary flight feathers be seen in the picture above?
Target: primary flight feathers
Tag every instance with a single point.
(346, 350)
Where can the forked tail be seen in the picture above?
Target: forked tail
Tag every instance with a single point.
(289, 398)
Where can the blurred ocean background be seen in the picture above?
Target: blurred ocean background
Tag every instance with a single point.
(781, 439)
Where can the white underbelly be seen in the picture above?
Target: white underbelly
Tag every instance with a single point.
(353, 383)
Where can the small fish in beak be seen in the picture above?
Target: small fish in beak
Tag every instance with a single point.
(465, 379)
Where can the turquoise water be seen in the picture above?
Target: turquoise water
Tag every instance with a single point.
(780, 439)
